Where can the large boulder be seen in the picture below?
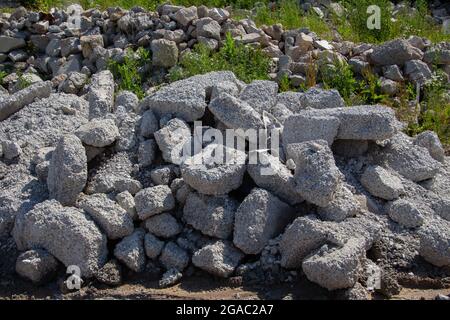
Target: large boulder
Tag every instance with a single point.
(67, 173)
(67, 233)
(259, 218)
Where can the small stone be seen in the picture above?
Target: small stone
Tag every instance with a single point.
(153, 246)
(172, 256)
(163, 225)
(219, 258)
(130, 251)
(381, 183)
(405, 213)
(36, 265)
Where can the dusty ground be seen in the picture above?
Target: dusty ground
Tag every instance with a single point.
(198, 286)
(198, 289)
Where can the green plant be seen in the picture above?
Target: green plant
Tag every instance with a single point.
(23, 81)
(435, 113)
(339, 76)
(3, 74)
(128, 72)
(247, 63)
(284, 84)
(370, 88)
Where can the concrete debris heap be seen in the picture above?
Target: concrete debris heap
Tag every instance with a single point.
(97, 179)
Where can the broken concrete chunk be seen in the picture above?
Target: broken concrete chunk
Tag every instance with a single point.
(130, 251)
(163, 225)
(13, 103)
(101, 94)
(154, 200)
(300, 128)
(147, 152)
(126, 200)
(321, 99)
(261, 95)
(405, 213)
(153, 246)
(67, 173)
(185, 99)
(36, 265)
(235, 114)
(271, 174)
(435, 242)
(430, 141)
(381, 183)
(149, 124)
(411, 161)
(335, 268)
(67, 233)
(259, 218)
(108, 215)
(215, 171)
(394, 52)
(171, 140)
(98, 133)
(213, 216)
(219, 258)
(343, 205)
(172, 256)
(316, 176)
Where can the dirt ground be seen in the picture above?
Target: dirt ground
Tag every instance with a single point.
(196, 288)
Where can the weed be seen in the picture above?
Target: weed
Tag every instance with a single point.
(284, 84)
(339, 76)
(435, 113)
(128, 73)
(3, 74)
(247, 63)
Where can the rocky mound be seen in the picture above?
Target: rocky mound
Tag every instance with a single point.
(307, 186)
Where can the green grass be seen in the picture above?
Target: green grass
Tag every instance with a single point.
(128, 72)
(247, 63)
(353, 26)
(3, 74)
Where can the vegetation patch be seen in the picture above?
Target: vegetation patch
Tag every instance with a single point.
(130, 72)
(247, 63)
